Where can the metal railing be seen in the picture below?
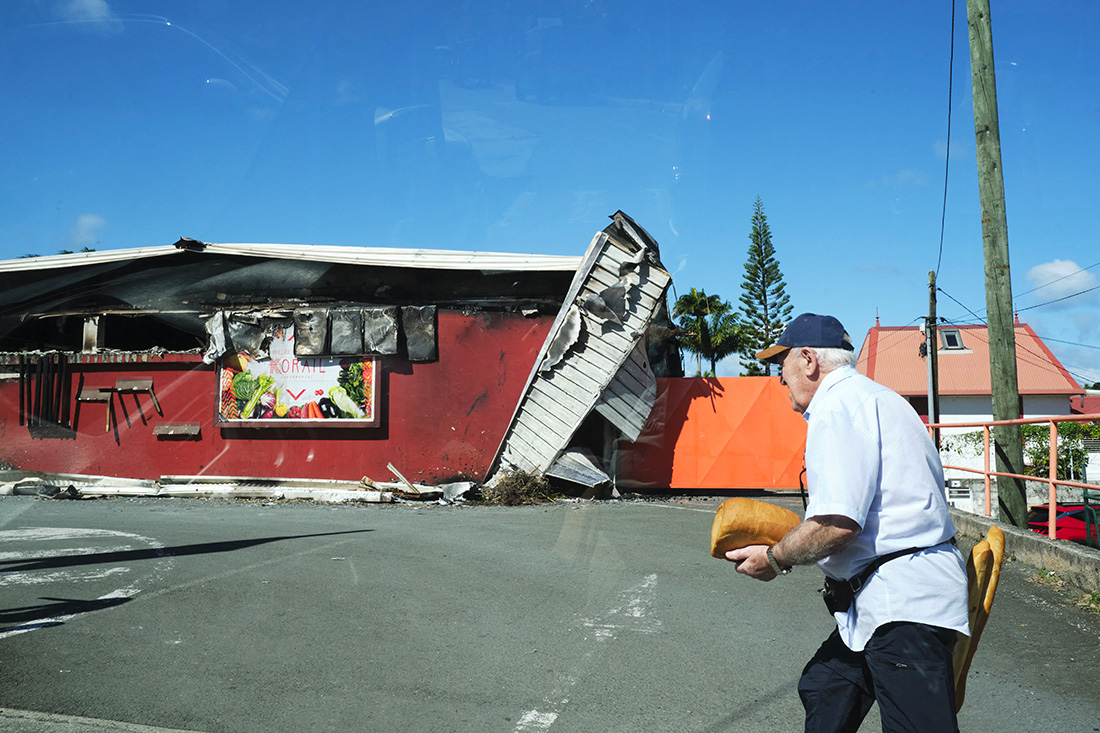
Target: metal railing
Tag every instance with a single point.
(1052, 480)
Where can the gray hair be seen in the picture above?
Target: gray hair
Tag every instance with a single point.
(831, 359)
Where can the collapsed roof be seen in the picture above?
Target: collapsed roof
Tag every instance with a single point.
(599, 356)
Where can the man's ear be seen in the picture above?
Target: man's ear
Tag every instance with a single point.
(811, 367)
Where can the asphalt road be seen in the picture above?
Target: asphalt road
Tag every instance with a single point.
(157, 614)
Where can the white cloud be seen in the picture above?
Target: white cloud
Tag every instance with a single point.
(901, 179)
(96, 13)
(959, 150)
(881, 270)
(94, 10)
(1061, 279)
(85, 230)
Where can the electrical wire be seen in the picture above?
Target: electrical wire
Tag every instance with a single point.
(1058, 300)
(1071, 343)
(947, 156)
(941, 290)
(1040, 287)
(884, 347)
(1024, 354)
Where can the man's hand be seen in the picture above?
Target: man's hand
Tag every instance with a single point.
(752, 561)
(813, 539)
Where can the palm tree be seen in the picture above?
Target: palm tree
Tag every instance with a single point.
(727, 336)
(699, 314)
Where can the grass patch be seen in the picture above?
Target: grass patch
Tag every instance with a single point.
(1089, 602)
(1048, 578)
(516, 488)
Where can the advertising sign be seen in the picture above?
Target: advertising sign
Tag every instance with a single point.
(283, 390)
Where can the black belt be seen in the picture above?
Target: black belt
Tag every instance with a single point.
(839, 594)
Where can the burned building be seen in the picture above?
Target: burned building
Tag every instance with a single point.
(300, 361)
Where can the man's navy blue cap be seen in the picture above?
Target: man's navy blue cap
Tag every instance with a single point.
(808, 329)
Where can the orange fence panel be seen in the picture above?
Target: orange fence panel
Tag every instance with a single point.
(717, 433)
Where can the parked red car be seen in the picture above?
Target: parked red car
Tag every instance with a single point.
(1069, 521)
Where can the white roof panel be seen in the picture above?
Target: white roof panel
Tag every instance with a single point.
(432, 259)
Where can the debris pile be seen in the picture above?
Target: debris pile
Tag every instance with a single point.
(515, 488)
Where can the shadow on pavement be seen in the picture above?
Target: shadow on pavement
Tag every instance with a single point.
(152, 553)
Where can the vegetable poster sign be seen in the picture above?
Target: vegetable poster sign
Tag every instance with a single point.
(284, 390)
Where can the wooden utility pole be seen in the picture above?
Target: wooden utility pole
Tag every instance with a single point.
(932, 342)
(1011, 493)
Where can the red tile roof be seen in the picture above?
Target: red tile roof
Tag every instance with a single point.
(1088, 404)
(890, 356)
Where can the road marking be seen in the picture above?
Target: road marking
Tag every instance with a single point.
(36, 554)
(632, 614)
(710, 510)
(59, 577)
(533, 720)
(45, 615)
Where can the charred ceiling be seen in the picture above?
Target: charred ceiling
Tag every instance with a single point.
(164, 301)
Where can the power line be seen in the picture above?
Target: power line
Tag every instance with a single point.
(947, 155)
(1071, 343)
(967, 309)
(1059, 300)
(1040, 287)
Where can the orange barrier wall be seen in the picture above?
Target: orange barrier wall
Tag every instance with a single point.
(724, 433)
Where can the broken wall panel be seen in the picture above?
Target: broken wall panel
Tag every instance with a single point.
(245, 335)
(566, 337)
(418, 323)
(579, 466)
(380, 330)
(629, 398)
(345, 331)
(310, 330)
(93, 334)
(619, 289)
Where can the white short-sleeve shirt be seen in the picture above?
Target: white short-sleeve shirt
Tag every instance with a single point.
(870, 458)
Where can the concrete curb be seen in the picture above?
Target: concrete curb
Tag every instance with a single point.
(1074, 563)
(227, 491)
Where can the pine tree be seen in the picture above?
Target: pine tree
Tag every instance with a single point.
(765, 306)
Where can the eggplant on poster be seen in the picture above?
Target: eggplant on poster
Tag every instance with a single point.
(284, 390)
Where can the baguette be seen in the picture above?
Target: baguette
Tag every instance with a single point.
(983, 571)
(740, 522)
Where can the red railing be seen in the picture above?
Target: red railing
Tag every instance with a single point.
(1052, 480)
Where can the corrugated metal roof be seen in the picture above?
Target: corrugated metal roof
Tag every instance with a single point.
(891, 357)
(438, 259)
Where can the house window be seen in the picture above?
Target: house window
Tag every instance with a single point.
(951, 338)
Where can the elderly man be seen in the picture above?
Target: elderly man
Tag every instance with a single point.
(877, 525)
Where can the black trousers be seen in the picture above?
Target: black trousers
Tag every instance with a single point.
(906, 667)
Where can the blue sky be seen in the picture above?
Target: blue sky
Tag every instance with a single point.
(522, 126)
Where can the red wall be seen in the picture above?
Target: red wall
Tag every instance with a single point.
(440, 421)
